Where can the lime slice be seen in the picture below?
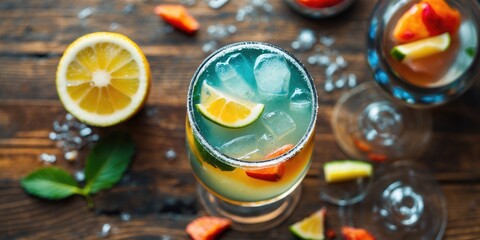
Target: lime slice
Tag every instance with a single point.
(338, 171)
(421, 48)
(226, 110)
(311, 227)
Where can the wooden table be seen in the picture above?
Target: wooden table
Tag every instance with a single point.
(160, 194)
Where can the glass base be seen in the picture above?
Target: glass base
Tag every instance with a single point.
(368, 125)
(406, 202)
(250, 218)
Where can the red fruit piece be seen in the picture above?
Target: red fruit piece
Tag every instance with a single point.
(377, 157)
(207, 228)
(178, 16)
(331, 234)
(319, 3)
(274, 173)
(426, 19)
(350, 233)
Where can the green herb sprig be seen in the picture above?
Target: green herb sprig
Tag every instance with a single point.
(105, 166)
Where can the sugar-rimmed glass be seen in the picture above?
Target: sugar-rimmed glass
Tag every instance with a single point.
(225, 190)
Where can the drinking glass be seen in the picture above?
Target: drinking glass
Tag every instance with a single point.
(224, 188)
(455, 72)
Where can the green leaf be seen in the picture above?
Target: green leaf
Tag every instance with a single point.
(50, 183)
(107, 161)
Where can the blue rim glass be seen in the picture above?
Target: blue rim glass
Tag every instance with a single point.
(393, 83)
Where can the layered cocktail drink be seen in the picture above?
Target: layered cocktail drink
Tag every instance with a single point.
(251, 117)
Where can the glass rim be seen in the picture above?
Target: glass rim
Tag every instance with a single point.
(374, 43)
(259, 163)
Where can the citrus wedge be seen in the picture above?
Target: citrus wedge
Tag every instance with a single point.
(311, 227)
(421, 48)
(103, 78)
(338, 171)
(226, 110)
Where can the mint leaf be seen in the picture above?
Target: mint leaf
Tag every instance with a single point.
(107, 161)
(50, 183)
(470, 51)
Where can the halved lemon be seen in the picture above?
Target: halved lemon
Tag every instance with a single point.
(226, 110)
(344, 170)
(311, 227)
(421, 48)
(103, 78)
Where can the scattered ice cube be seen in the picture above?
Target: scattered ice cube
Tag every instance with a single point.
(79, 176)
(244, 147)
(85, 13)
(56, 126)
(71, 155)
(234, 75)
(267, 143)
(299, 100)
(188, 2)
(278, 123)
(69, 117)
(94, 138)
(352, 80)
(341, 81)
(255, 10)
(328, 86)
(85, 131)
(331, 69)
(340, 61)
(48, 158)
(129, 8)
(170, 154)
(114, 26)
(327, 40)
(220, 31)
(272, 74)
(209, 46)
(52, 136)
(105, 230)
(305, 40)
(216, 4)
(126, 217)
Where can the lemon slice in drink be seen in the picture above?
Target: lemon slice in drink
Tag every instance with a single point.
(227, 110)
(338, 171)
(103, 78)
(421, 48)
(311, 227)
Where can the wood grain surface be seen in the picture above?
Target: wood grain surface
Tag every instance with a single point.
(159, 193)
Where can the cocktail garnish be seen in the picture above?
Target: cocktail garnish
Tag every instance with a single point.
(421, 48)
(426, 19)
(226, 110)
(344, 170)
(311, 227)
(178, 16)
(274, 173)
(207, 227)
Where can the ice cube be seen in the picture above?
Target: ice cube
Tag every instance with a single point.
(299, 100)
(352, 80)
(267, 143)
(329, 87)
(341, 81)
(244, 147)
(235, 74)
(278, 123)
(272, 75)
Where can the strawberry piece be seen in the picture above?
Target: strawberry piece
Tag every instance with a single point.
(377, 157)
(319, 3)
(426, 19)
(207, 227)
(362, 145)
(331, 234)
(350, 233)
(178, 16)
(273, 173)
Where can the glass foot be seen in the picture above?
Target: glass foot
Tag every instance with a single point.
(405, 202)
(250, 218)
(368, 125)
